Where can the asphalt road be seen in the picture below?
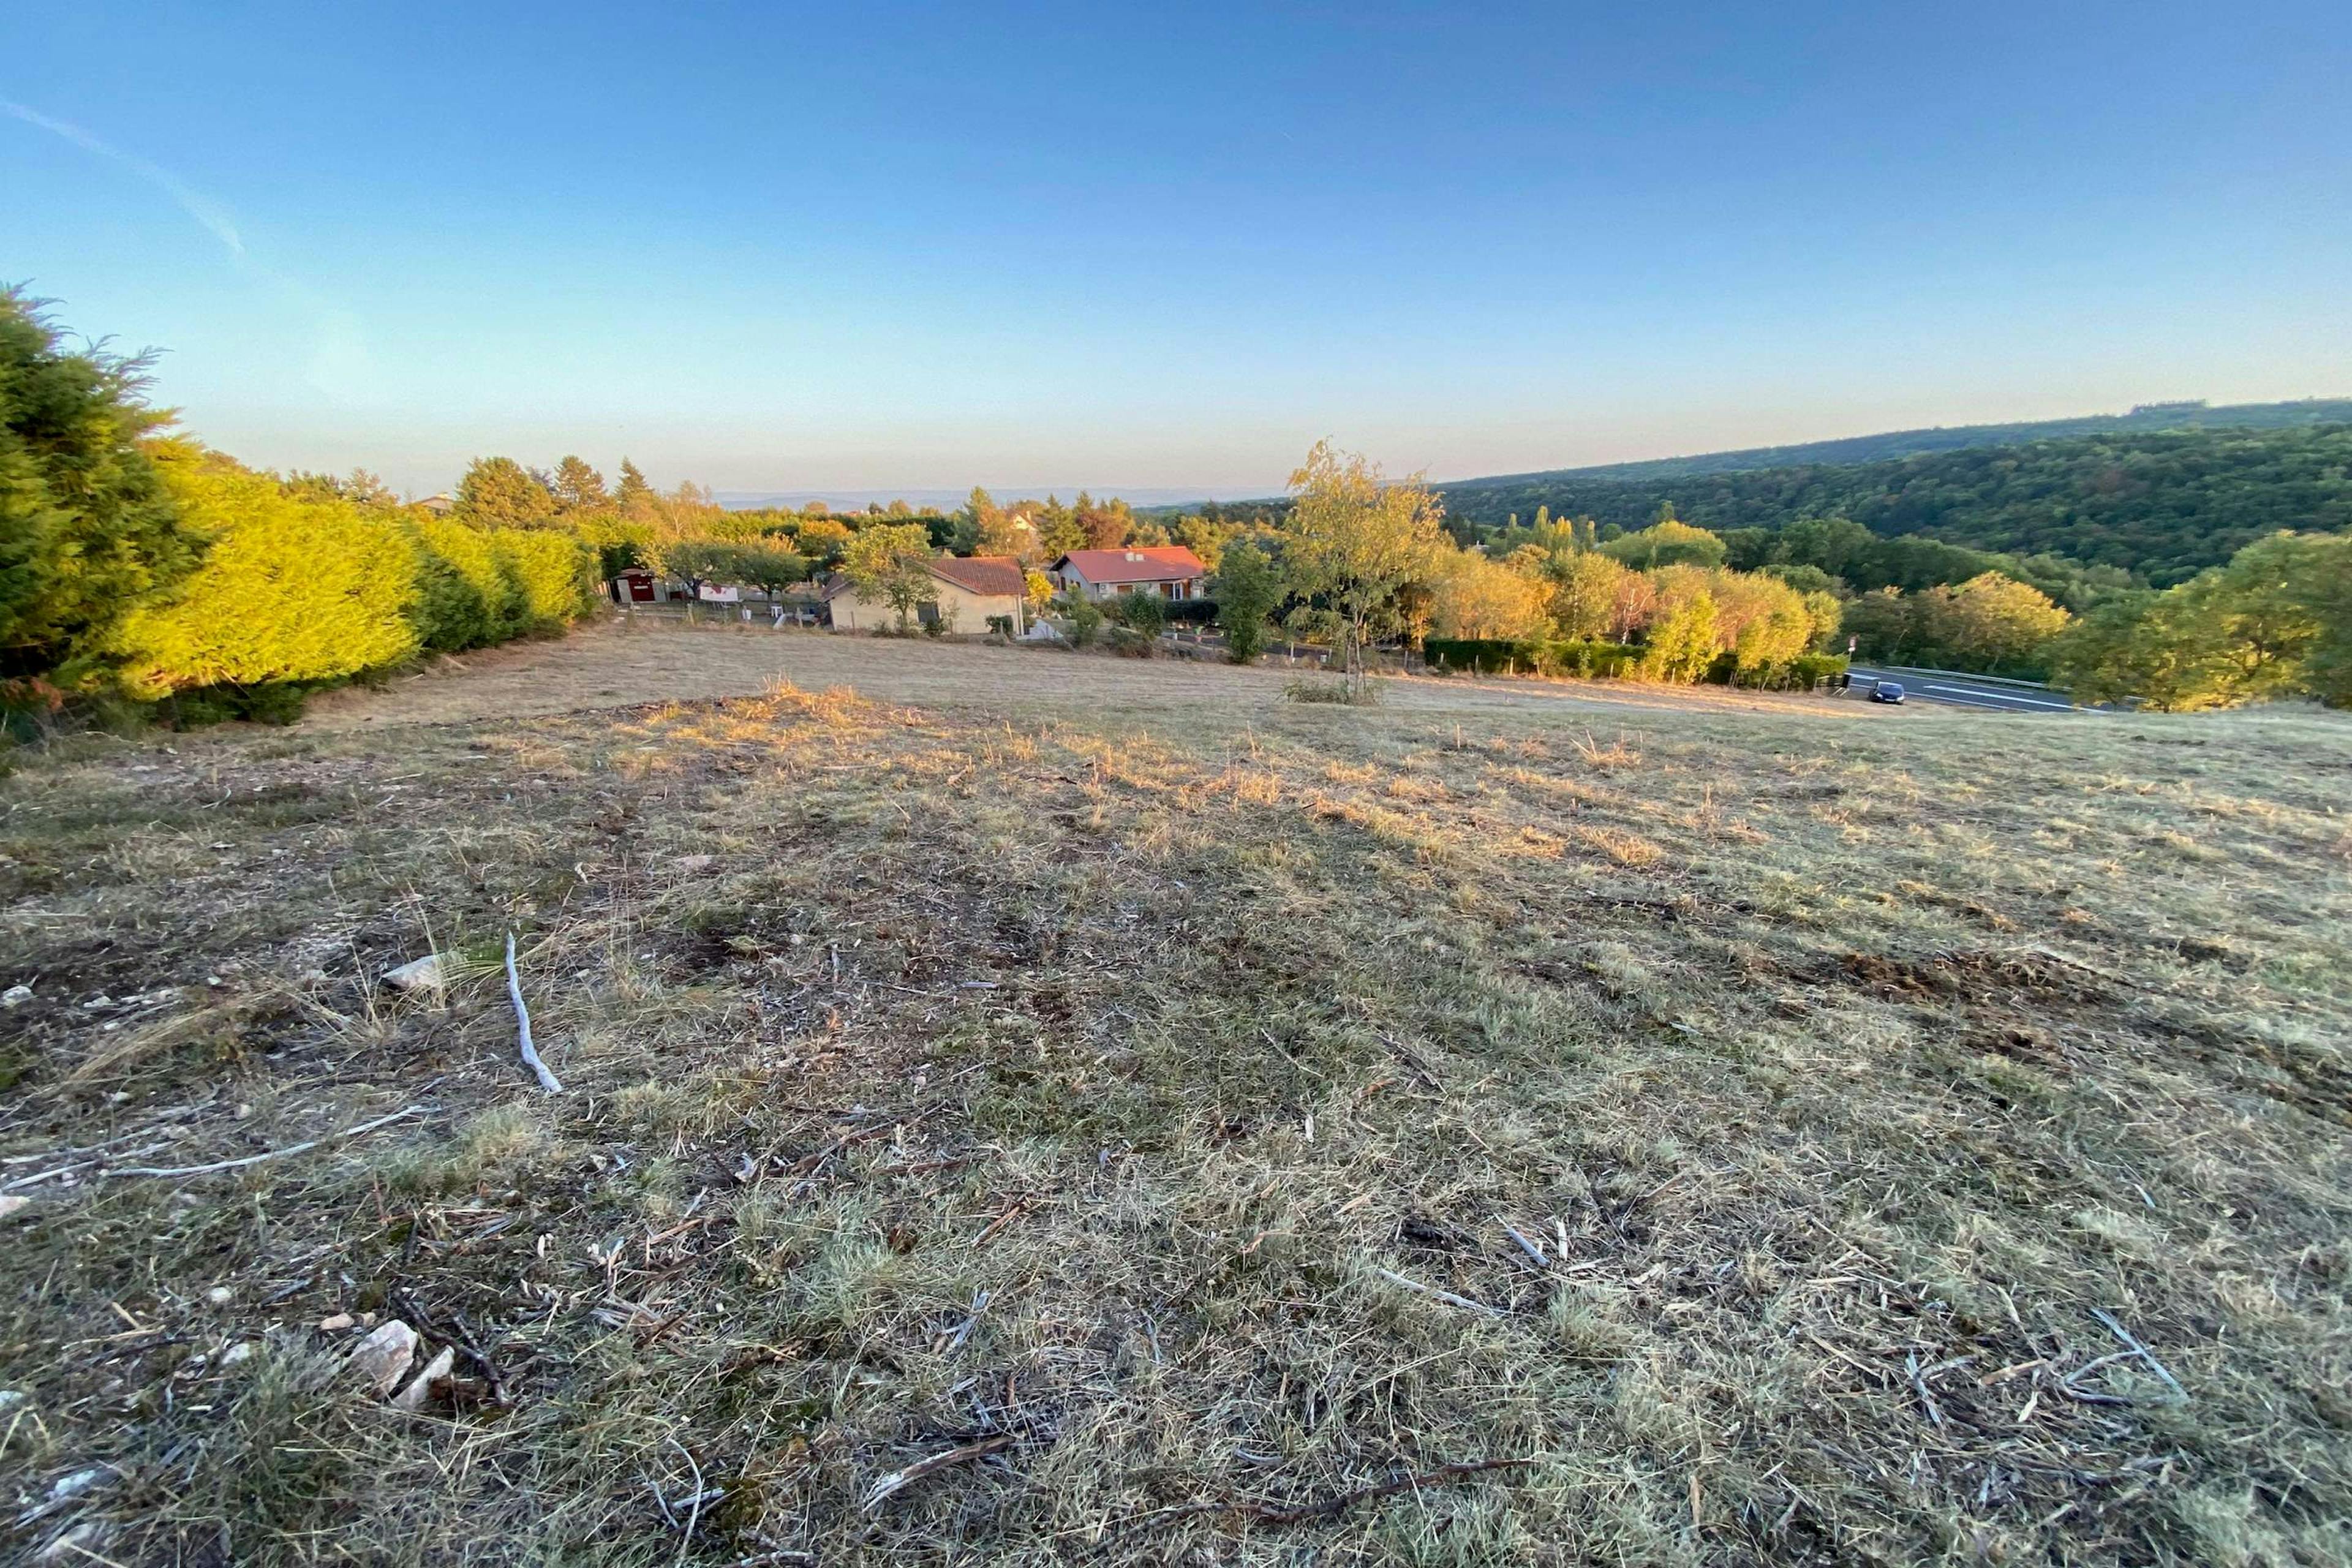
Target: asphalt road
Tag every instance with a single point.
(1963, 691)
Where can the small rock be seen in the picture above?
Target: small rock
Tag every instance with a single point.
(14, 1204)
(16, 997)
(693, 864)
(75, 1484)
(94, 1003)
(417, 975)
(335, 1324)
(383, 1356)
(427, 1386)
(220, 1295)
(314, 975)
(239, 1353)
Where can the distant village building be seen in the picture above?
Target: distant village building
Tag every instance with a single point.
(968, 592)
(1169, 570)
(439, 505)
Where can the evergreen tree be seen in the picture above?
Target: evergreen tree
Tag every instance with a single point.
(578, 487)
(633, 494)
(87, 527)
(498, 492)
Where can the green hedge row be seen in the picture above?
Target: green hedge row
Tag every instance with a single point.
(1546, 655)
(295, 594)
(479, 586)
(1801, 673)
(1531, 655)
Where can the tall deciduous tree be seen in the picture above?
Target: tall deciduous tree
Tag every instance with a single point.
(1667, 543)
(1479, 598)
(769, 568)
(891, 563)
(87, 527)
(1104, 524)
(2276, 622)
(699, 562)
(1359, 550)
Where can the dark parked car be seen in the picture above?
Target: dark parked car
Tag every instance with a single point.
(1886, 692)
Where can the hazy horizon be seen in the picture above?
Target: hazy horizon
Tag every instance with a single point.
(809, 251)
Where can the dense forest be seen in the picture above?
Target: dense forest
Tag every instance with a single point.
(2164, 505)
(1890, 444)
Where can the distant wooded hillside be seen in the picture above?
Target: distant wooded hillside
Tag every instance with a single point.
(1891, 443)
(2163, 504)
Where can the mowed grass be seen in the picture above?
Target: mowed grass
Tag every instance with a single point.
(1107, 1105)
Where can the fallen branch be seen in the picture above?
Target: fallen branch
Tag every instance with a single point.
(897, 1481)
(2141, 1350)
(1448, 1297)
(547, 1080)
(300, 1148)
(1535, 1253)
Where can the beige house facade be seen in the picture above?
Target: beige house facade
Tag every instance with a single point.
(967, 589)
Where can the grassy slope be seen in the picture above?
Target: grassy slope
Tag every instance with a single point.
(1841, 1074)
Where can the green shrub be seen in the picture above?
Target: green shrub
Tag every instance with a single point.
(479, 586)
(1332, 690)
(462, 599)
(1800, 673)
(1531, 655)
(1144, 613)
(555, 572)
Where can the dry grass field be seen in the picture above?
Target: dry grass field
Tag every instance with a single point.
(1035, 1107)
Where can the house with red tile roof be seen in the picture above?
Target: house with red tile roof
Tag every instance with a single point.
(968, 591)
(1169, 570)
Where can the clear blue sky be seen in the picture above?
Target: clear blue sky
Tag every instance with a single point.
(873, 245)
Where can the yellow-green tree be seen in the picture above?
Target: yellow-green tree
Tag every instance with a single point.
(1682, 641)
(1667, 543)
(1989, 622)
(1358, 549)
(1474, 597)
(2276, 622)
(292, 591)
(891, 564)
(1589, 595)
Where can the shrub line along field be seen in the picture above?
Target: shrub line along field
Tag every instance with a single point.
(1042, 1109)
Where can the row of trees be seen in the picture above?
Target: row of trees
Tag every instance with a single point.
(1357, 561)
(138, 565)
